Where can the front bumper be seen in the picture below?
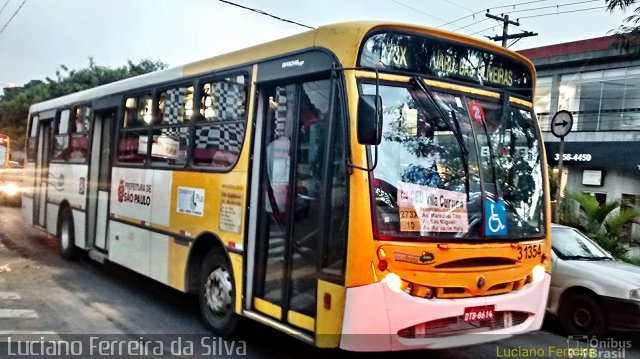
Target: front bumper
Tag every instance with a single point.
(623, 314)
(375, 314)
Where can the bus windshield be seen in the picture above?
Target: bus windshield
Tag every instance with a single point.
(456, 166)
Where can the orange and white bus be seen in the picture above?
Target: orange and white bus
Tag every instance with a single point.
(368, 186)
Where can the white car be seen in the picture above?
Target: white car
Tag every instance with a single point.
(591, 292)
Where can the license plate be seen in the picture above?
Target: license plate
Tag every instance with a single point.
(474, 314)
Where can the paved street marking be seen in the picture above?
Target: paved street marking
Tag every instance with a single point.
(18, 313)
(9, 295)
(26, 332)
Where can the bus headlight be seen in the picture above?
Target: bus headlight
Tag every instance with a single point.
(537, 274)
(393, 281)
(10, 189)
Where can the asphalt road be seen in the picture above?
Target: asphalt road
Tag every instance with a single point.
(44, 298)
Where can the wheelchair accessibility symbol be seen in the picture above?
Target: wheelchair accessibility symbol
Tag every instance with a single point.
(495, 223)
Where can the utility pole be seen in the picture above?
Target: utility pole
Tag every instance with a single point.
(505, 35)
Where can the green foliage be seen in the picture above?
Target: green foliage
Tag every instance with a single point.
(603, 223)
(15, 101)
(635, 261)
(627, 34)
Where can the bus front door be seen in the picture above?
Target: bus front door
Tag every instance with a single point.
(99, 179)
(295, 202)
(41, 179)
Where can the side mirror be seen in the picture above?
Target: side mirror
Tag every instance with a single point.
(369, 120)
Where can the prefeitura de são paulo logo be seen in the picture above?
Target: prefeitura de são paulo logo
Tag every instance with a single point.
(121, 191)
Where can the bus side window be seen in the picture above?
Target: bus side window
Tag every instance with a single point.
(61, 137)
(171, 127)
(79, 136)
(134, 132)
(32, 141)
(219, 134)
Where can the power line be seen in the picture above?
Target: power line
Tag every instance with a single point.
(505, 35)
(552, 6)
(564, 12)
(458, 5)
(475, 23)
(12, 16)
(493, 8)
(481, 31)
(3, 6)
(532, 9)
(265, 13)
(418, 11)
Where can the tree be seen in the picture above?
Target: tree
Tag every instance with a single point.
(15, 101)
(628, 34)
(603, 223)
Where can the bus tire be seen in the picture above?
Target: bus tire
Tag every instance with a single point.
(66, 233)
(217, 294)
(581, 314)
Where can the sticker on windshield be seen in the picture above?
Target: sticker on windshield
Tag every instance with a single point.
(476, 111)
(427, 209)
(495, 218)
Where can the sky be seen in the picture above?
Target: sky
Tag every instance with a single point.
(45, 34)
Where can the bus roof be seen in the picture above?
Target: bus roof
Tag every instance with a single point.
(342, 39)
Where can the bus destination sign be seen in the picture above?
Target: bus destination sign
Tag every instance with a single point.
(447, 60)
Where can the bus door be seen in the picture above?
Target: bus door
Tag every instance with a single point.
(41, 179)
(99, 179)
(296, 204)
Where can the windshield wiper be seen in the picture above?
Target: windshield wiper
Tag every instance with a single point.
(457, 133)
(601, 258)
(579, 258)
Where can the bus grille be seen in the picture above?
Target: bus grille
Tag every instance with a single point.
(456, 325)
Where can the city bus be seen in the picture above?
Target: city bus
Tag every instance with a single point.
(367, 186)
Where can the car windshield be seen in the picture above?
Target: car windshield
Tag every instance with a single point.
(568, 243)
(444, 157)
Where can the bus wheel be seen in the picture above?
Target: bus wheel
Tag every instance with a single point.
(66, 234)
(581, 314)
(217, 294)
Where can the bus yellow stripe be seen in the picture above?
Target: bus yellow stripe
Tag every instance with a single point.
(267, 308)
(236, 264)
(382, 76)
(461, 88)
(330, 312)
(178, 254)
(521, 102)
(301, 320)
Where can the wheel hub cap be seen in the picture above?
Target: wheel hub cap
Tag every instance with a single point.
(218, 291)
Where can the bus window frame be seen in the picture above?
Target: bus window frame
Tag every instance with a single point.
(34, 123)
(155, 113)
(148, 91)
(198, 122)
(56, 125)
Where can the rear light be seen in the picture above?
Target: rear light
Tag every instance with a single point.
(382, 265)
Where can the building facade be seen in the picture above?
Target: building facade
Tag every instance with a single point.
(600, 85)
